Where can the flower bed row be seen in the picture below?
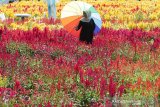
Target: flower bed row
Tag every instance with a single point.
(121, 64)
(115, 14)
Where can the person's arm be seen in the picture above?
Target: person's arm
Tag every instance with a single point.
(79, 26)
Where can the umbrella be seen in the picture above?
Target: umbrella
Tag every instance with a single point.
(4, 2)
(73, 12)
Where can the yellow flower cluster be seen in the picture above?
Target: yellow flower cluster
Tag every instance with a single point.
(28, 25)
(31, 7)
(3, 81)
(127, 14)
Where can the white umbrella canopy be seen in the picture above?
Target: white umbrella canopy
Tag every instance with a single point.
(4, 2)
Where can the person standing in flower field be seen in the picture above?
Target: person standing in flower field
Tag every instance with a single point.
(52, 8)
(88, 25)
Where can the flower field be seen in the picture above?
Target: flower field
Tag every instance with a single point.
(145, 15)
(42, 65)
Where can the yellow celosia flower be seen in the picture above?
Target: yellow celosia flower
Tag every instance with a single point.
(107, 24)
(153, 16)
(131, 25)
(13, 25)
(3, 81)
(142, 25)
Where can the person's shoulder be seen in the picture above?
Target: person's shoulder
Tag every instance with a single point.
(82, 19)
(92, 19)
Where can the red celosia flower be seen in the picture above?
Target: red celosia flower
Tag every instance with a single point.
(1, 32)
(112, 87)
(121, 90)
(16, 105)
(40, 105)
(87, 83)
(157, 83)
(48, 104)
(156, 44)
(102, 87)
(108, 103)
(148, 85)
(17, 85)
(81, 74)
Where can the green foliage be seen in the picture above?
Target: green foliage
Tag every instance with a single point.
(136, 57)
(139, 16)
(94, 64)
(12, 47)
(29, 85)
(35, 64)
(84, 50)
(85, 97)
(10, 82)
(1, 63)
(3, 81)
(114, 56)
(23, 49)
(146, 57)
(57, 53)
(125, 50)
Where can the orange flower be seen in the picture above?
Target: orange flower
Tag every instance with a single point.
(139, 81)
(157, 83)
(148, 85)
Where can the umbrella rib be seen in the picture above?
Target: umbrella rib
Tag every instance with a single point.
(96, 19)
(98, 22)
(70, 6)
(72, 21)
(78, 5)
(84, 6)
(69, 11)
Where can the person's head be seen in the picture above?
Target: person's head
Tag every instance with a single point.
(87, 14)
